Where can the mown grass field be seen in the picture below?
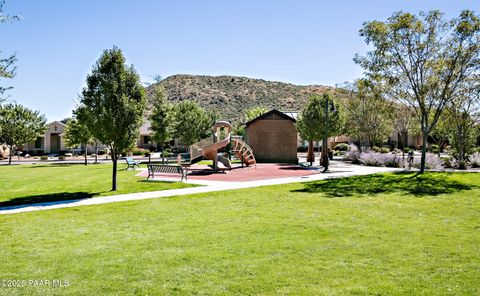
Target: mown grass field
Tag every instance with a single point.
(388, 234)
(22, 184)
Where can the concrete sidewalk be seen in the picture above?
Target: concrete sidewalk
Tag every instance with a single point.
(338, 170)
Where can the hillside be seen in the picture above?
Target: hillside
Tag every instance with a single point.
(230, 95)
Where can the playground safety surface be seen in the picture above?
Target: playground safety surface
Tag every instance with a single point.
(263, 171)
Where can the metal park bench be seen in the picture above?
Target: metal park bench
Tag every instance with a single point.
(166, 169)
(131, 163)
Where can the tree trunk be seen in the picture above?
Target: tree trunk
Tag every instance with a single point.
(96, 153)
(10, 155)
(86, 154)
(424, 152)
(310, 153)
(324, 158)
(163, 154)
(114, 170)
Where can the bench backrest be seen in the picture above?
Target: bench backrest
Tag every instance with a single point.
(162, 168)
(129, 160)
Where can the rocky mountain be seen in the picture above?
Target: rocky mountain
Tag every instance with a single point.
(231, 95)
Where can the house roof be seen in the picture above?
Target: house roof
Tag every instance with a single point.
(56, 122)
(274, 111)
(145, 128)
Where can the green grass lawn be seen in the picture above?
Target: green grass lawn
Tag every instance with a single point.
(20, 184)
(390, 234)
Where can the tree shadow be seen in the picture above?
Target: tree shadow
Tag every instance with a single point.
(429, 184)
(52, 165)
(51, 197)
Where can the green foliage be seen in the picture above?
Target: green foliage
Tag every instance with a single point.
(162, 118)
(369, 116)
(7, 67)
(43, 157)
(254, 112)
(342, 147)
(192, 122)
(20, 125)
(112, 104)
(313, 124)
(137, 151)
(76, 134)
(422, 61)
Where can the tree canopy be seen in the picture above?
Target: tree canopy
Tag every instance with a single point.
(7, 64)
(162, 118)
(370, 116)
(313, 124)
(77, 133)
(192, 122)
(19, 125)
(423, 60)
(112, 104)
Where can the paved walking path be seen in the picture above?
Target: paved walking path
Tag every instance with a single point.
(338, 170)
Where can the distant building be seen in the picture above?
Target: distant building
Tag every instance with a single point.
(51, 142)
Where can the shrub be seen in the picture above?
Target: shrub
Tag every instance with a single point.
(434, 148)
(138, 151)
(61, 157)
(448, 162)
(102, 151)
(372, 159)
(43, 157)
(391, 160)
(167, 153)
(302, 149)
(432, 162)
(376, 149)
(406, 149)
(475, 160)
(475, 150)
(397, 151)
(353, 154)
(384, 150)
(147, 154)
(462, 165)
(342, 147)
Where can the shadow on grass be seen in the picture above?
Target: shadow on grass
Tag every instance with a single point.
(51, 197)
(429, 184)
(51, 165)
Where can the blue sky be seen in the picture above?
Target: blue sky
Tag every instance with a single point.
(301, 42)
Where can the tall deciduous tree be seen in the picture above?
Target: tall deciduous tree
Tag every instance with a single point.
(19, 126)
(162, 119)
(112, 104)
(370, 115)
(77, 133)
(192, 122)
(423, 60)
(7, 68)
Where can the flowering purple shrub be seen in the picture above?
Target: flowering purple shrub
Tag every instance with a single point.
(380, 159)
(372, 159)
(353, 154)
(391, 160)
(432, 162)
(475, 160)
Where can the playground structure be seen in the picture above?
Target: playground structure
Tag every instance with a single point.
(208, 149)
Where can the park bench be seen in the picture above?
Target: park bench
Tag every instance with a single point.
(131, 163)
(166, 169)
